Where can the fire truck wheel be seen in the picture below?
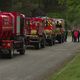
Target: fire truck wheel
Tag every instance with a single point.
(10, 53)
(59, 39)
(50, 43)
(22, 51)
(53, 42)
(43, 44)
(38, 45)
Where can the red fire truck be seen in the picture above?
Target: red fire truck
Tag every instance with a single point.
(11, 33)
(35, 32)
(59, 31)
(49, 31)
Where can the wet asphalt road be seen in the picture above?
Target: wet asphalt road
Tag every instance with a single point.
(37, 63)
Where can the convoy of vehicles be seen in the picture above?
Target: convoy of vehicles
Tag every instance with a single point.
(18, 31)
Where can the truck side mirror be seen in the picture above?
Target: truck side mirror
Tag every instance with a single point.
(28, 23)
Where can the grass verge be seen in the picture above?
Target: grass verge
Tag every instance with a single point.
(70, 72)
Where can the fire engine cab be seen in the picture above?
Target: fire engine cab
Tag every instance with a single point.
(11, 33)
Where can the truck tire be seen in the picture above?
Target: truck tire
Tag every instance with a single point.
(51, 42)
(38, 45)
(43, 44)
(22, 51)
(10, 54)
(59, 38)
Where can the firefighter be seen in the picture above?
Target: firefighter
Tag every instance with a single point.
(65, 35)
(72, 34)
(58, 24)
(76, 35)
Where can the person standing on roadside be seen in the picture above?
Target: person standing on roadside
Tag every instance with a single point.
(66, 34)
(76, 35)
(72, 34)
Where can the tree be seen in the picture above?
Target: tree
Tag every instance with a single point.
(5, 6)
(73, 12)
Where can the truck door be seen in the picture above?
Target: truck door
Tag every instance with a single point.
(22, 26)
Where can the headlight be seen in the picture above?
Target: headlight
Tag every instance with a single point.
(8, 44)
(33, 32)
(48, 31)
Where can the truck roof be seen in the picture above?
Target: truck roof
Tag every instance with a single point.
(4, 16)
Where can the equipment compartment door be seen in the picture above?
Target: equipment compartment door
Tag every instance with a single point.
(18, 25)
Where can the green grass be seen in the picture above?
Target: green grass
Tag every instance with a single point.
(70, 72)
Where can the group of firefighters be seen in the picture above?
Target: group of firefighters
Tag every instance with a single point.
(75, 35)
